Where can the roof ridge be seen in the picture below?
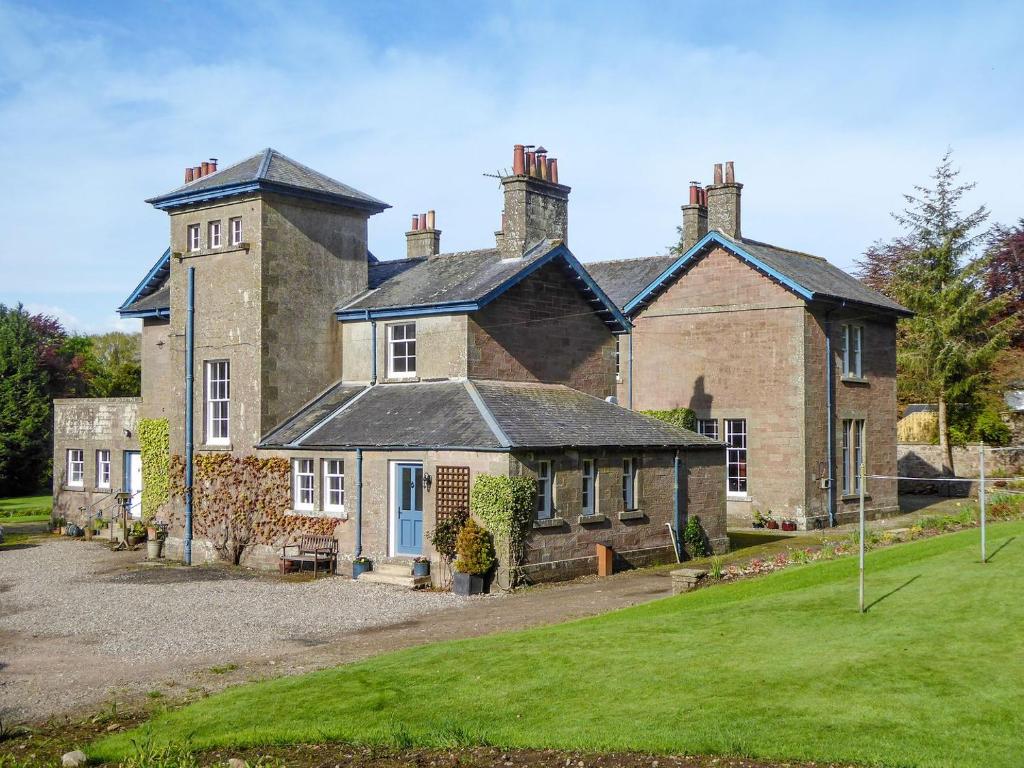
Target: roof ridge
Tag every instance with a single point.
(784, 248)
(487, 415)
(268, 155)
(632, 258)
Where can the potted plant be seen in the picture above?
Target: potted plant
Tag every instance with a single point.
(758, 519)
(788, 525)
(420, 567)
(475, 551)
(770, 522)
(360, 565)
(136, 533)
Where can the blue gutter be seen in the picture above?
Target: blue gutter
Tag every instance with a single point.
(190, 345)
(167, 202)
(359, 501)
(677, 506)
(709, 239)
(458, 307)
(164, 312)
(161, 263)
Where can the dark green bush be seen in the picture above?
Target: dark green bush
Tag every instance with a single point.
(679, 417)
(445, 534)
(694, 537)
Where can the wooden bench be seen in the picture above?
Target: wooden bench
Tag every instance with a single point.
(311, 549)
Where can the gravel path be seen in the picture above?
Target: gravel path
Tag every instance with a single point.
(70, 606)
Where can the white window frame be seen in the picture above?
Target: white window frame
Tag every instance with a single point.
(708, 428)
(217, 395)
(213, 234)
(303, 484)
(618, 358)
(630, 477)
(854, 435)
(103, 468)
(334, 485)
(193, 236)
(393, 346)
(76, 467)
(853, 351)
(735, 455)
(588, 487)
(545, 505)
(235, 230)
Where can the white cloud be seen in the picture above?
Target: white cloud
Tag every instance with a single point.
(828, 121)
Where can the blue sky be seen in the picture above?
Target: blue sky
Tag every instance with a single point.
(830, 112)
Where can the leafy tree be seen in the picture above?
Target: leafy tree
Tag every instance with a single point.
(26, 420)
(114, 368)
(1004, 272)
(946, 353)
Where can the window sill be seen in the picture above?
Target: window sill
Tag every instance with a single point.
(858, 380)
(854, 497)
(215, 447)
(549, 522)
(592, 519)
(211, 251)
(737, 497)
(73, 488)
(399, 379)
(317, 513)
(632, 514)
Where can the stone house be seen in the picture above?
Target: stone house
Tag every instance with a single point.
(366, 395)
(783, 356)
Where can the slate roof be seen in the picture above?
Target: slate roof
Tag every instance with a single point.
(625, 278)
(152, 296)
(472, 415)
(466, 281)
(272, 171)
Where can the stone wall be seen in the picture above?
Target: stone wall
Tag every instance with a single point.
(925, 461)
(534, 210)
(871, 398)
(565, 546)
(157, 371)
(440, 348)
(91, 424)
(543, 329)
(728, 342)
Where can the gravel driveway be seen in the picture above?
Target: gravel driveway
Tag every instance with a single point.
(79, 618)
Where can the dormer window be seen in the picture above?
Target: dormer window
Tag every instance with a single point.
(402, 351)
(193, 237)
(214, 234)
(235, 226)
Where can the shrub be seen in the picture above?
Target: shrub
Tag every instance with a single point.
(445, 534)
(695, 538)
(990, 428)
(679, 417)
(475, 549)
(505, 505)
(717, 569)
(154, 443)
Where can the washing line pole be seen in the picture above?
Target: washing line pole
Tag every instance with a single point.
(981, 497)
(863, 478)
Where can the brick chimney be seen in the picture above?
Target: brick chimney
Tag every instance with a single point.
(424, 239)
(723, 202)
(695, 216)
(536, 205)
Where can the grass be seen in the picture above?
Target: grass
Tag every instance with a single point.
(780, 667)
(25, 509)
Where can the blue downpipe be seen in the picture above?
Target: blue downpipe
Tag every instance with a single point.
(359, 501)
(678, 505)
(190, 343)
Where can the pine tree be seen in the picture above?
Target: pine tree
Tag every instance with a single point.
(25, 406)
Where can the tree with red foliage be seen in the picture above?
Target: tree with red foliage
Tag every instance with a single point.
(1004, 272)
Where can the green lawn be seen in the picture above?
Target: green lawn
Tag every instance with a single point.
(778, 667)
(25, 509)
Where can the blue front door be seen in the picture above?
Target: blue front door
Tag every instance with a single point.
(409, 498)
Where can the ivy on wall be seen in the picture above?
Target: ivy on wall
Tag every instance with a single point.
(679, 417)
(505, 505)
(242, 501)
(154, 442)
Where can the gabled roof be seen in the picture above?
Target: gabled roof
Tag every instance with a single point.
(472, 415)
(152, 296)
(268, 171)
(810, 277)
(623, 279)
(467, 281)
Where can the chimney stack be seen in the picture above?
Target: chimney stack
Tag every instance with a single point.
(188, 175)
(536, 205)
(423, 239)
(695, 217)
(723, 202)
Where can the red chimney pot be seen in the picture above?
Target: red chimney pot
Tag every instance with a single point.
(518, 160)
(694, 193)
(188, 175)
(718, 173)
(206, 167)
(553, 172)
(213, 165)
(730, 173)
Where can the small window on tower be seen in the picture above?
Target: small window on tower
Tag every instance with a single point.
(193, 237)
(214, 234)
(236, 230)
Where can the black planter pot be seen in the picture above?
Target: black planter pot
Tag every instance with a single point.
(358, 568)
(467, 584)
